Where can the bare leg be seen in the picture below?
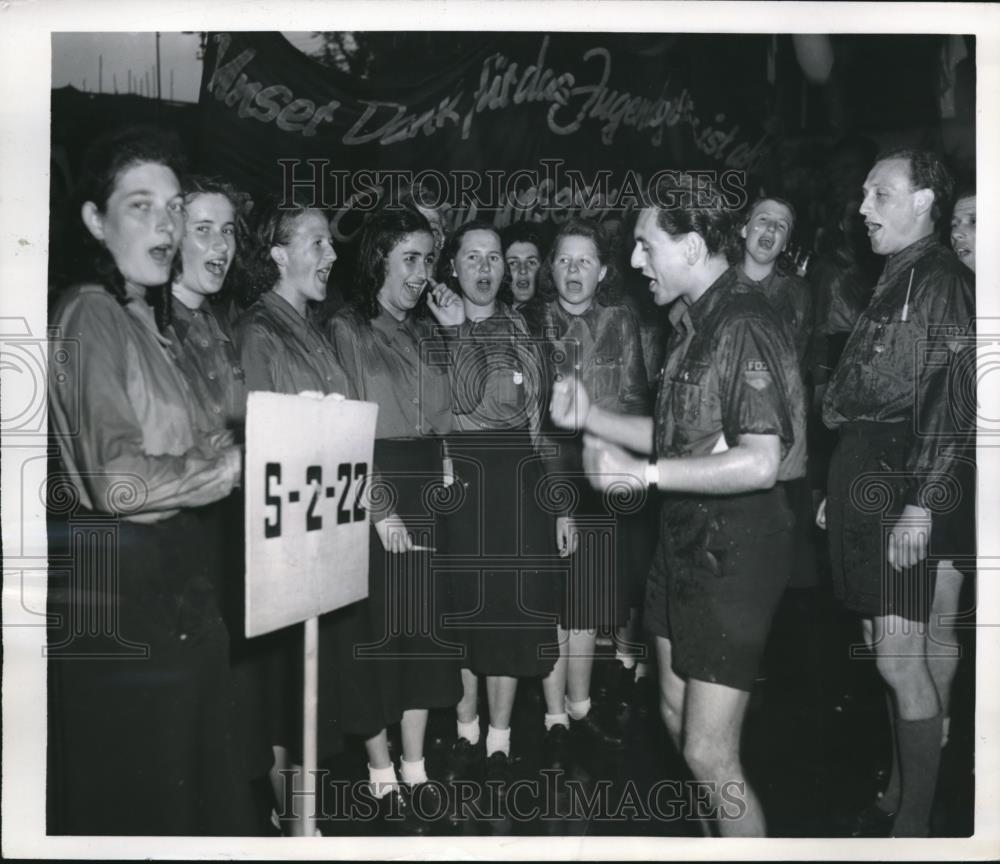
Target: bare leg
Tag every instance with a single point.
(500, 692)
(580, 663)
(672, 694)
(554, 684)
(713, 721)
(412, 727)
(466, 708)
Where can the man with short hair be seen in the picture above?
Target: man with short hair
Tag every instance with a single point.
(766, 232)
(900, 434)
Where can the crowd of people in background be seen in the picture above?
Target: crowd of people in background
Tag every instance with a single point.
(655, 405)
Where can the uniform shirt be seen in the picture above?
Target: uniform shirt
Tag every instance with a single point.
(497, 374)
(532, 312)
(207, 356)
(285, 353)
(401, 365)
(789, 296)
(731, 370)
(121, 412)
(602, 348)
(896, 371)
(842, 293)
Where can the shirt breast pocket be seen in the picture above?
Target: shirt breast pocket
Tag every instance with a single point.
(689, 388)
(607, 376)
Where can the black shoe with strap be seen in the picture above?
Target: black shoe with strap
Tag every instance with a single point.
(396, 816)
(464, 762)
(587, 735)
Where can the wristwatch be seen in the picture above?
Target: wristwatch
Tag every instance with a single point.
(653, 474)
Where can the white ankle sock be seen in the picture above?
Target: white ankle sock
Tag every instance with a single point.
(556, 720)
(577, 710)
(412, 772)
(641, 670)
(382, 780)
(497, 740)
(469, 731)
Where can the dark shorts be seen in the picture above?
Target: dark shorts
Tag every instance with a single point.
(865, 495)
(719, 570)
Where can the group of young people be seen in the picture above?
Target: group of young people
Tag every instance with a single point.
(519, 472)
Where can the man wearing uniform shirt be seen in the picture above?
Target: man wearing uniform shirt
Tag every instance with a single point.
(890, 398)
(729, 409)
(766, 233)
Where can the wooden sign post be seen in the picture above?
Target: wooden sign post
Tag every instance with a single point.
(308, 460)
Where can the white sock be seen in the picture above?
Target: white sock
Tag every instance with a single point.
(627, 660)
(556, 720)
(497, 740)
(641, 670)
(577, 710)
(412, 772)
(469, 731)
(382, 780)
(945, 728)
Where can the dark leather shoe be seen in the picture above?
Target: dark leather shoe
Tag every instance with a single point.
(396, 816)
(873, 821)
(556, 750)
(464, 762)
(498, 774)
(587, 735)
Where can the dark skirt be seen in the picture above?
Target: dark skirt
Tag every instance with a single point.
(141, 702)
(259, 716)
(403, 660)
(599, 586)
(504, 570)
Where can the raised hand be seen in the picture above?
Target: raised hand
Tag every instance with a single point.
(445, 305)
(570, 404)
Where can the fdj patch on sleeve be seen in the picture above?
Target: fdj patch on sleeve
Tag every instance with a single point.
(757, 374)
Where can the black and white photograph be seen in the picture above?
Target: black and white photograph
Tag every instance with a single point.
(498, 430)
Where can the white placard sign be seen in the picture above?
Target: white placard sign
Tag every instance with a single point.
(307, 463)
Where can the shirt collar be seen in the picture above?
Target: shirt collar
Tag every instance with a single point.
(905, 257)
(689, 314)
(284, 310)
(387, 324)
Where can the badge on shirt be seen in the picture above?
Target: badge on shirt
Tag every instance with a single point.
(757, 374)
(518, 378)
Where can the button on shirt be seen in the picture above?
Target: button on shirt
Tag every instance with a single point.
(285, 353)
(602, 348)
(207, 356)
(731, 370)
(901, 371)
(497, 374)
(401, 365)
(121, 412)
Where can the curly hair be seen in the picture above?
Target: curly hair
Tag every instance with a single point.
(84, 258)
(238, 276)
(382, 230)
(685, 205)
(450, 250)
(927, 171)
(273, 226)
(609, 290)
(520, 232)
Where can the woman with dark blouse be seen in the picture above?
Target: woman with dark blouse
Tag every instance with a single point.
(283, 351)
(394, 358)
(212, 247)
(141, 710)
(597, 338)
(505, 608)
